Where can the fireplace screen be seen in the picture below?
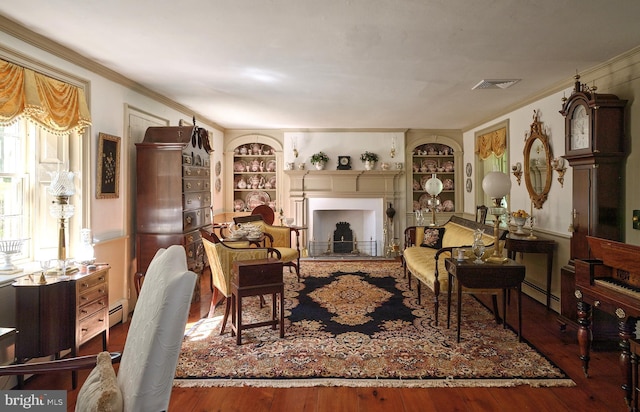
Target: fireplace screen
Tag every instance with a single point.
(344, 242)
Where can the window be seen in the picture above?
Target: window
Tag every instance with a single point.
(27, 155)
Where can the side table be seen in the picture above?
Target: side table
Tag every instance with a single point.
(256, 278)
(508, 275)
(515, 244)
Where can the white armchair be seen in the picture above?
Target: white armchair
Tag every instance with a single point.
(150, 355)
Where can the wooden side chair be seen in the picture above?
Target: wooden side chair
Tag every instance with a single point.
(481, 214)
(221, 258)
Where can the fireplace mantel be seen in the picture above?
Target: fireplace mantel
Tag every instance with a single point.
(303, 186)
(343, 183)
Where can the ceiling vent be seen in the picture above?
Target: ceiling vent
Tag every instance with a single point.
(495, 84)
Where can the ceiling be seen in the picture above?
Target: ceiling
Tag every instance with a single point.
(301, 64)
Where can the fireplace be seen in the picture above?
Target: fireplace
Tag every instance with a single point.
(320, 199)
(364, 216)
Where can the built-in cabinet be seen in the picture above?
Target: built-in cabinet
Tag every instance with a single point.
(253, 173)
(425, 160)
(254, 177)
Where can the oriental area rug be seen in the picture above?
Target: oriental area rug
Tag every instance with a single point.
(358, 324)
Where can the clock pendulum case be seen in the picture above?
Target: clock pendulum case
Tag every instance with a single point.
(595, 150)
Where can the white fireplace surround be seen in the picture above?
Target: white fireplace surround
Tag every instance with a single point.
(321, 198)
(366, 217)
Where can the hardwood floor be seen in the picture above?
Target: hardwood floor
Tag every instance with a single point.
(600, 392)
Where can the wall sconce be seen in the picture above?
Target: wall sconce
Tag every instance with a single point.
(558, 165)
(517, 171)
(393, 147)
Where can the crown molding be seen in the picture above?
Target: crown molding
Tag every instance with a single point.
(43, 43)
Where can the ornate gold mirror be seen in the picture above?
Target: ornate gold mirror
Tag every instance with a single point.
(537, 163)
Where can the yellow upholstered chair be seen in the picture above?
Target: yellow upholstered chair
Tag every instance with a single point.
(279, 238)
(221, 257)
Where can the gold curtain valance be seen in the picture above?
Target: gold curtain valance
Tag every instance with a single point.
(57, 106)
(493, 142)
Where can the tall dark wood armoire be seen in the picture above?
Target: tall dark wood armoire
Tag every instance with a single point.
(173, 196)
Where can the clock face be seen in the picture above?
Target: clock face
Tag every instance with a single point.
(344, 162)
(579, 128)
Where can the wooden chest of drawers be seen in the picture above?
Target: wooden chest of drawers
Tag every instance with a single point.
(62, 314)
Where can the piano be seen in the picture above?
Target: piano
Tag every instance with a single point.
(609, 282)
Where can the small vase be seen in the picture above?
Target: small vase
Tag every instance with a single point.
(319, 165)
(369, 165)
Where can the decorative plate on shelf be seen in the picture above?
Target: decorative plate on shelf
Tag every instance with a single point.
(447, 206)
(448, 166)
(416, 185)
(257, 198)
(469, 185)
(429, 165)
(218, 168)
(272, 181)
(423, 181)
(424, 201)
(238, 205)
(447, 184)
(239, 166)
(416, 205)
(271, 166)
(218, 184)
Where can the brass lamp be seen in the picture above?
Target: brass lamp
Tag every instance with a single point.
(62, 188)
(433, 186)
(497, 185)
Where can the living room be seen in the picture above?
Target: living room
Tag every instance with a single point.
(122, 108)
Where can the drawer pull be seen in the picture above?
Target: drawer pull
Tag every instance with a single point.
(83, 311)
(188, 219)
(190, 239)
(188, 172)
(101, 278)
(83, 298)
(188, 185)
(85, 285)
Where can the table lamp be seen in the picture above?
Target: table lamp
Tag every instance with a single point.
(497, 185)
(433, 186)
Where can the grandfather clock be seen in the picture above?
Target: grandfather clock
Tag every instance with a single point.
(595, 149)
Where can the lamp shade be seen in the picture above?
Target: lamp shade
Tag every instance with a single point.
(496, 184)
(433, 186)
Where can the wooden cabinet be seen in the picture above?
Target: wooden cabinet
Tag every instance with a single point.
(254, 177)
(430, 159)
(173, 193)
(61, 314)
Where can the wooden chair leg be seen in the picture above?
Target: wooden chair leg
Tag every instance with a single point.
(227, 309)
(496, 314)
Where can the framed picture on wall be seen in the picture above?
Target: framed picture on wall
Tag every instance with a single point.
(108, 178)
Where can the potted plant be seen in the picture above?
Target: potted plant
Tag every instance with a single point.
(319, 160)
(369, 159)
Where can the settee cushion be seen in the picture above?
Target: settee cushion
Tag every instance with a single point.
(433, 237)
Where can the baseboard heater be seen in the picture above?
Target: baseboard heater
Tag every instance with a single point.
(118, 313)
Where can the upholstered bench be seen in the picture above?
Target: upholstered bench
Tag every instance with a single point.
(421, 254)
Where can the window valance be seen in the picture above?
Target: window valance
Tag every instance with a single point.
(59, 107)
(493, 142)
